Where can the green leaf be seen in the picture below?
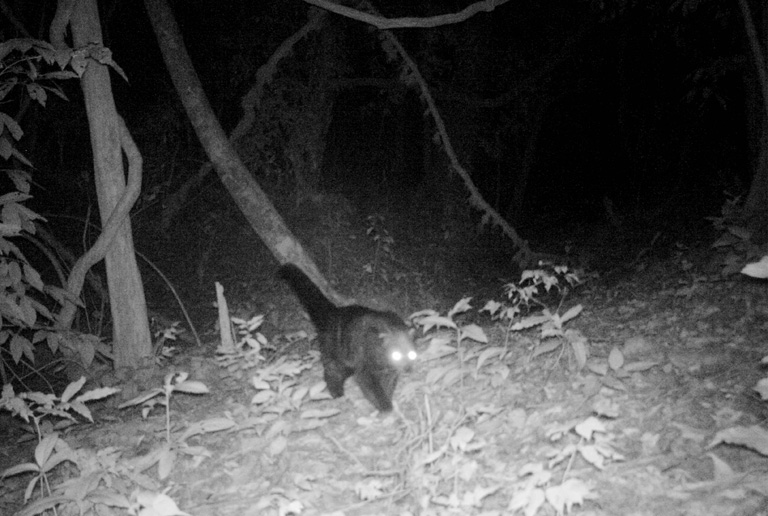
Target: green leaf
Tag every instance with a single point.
(166, 463)
(546, 347)
(571, 492)
(43, 505)
(436, 321)
(55, 460)
(72, 389)
(615, 358)
(97, 394)
(589, 426)
(33, 277)
(580, 351)
(45, 448)
(461, 438)
(460, 307)
(761, 387)
(5, 88)
(20, 44)
(108, 497)
(757, 270)
(207, 426)
(319, 414)
(59, 76)
(27, 467)
(262, 397)
(14, 273)
(530, 322)
(54, 339)
(192, 387)
(158, 504)
(754, 437)
(492, 307)
(40, 398)
(570, 314)
(141, 398)
(81, 409)
(487, 354)
(13, 127)
(474, 332)
(28, 311)
(20, 345)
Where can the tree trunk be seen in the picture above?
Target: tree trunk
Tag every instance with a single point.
(756, 202)
(250, 198)
(130, 333)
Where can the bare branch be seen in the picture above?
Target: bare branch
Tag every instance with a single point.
(490, 215)
(410, 22)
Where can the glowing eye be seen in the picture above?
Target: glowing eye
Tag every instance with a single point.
(412, 355)
(397, 356)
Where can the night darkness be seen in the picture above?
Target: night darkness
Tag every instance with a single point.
(639, 105)
(592, 129)
(609, 367)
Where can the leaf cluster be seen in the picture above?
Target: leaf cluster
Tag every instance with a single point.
(166, 455)
(249, 350)
(52, 451)
(31, 68)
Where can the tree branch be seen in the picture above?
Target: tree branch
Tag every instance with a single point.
(412, 75)
(123, 207)
(409, 22)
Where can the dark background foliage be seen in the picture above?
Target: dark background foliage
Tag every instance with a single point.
(574, 119)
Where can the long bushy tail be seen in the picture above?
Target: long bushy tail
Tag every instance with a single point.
(319, 307)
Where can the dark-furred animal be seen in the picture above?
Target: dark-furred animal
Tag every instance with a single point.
(372, 345)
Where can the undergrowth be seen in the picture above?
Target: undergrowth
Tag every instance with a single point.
(438, 460)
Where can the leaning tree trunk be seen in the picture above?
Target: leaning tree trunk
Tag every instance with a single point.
(250, 103)
(130, 333)
(249, 197)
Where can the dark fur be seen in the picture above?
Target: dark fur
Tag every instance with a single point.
(354, 340)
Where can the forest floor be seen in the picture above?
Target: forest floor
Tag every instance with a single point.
(646, 407)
